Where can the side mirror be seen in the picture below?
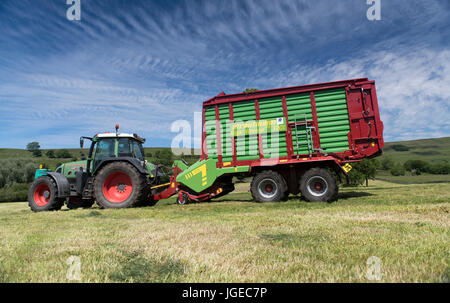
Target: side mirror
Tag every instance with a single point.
(81, 142)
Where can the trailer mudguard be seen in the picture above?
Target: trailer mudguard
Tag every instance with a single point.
(61, 183)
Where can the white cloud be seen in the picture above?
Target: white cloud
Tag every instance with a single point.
(145, 67)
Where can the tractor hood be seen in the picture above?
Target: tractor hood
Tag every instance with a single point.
(69, 169)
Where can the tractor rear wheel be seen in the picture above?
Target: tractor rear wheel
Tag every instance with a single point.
(319, 185)
(42, 195)
(120, 185)
(268, 186)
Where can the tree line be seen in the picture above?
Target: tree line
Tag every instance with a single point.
(16, 171)
(415, 167)
(35, 149)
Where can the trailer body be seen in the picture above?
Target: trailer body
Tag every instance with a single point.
(288, 130)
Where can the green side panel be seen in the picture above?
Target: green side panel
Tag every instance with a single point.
(225, 127)
(246, 145)
(210, 128)
(202, 174)
(332, 117)
(274, 144)
(299, 109)
(247, 148)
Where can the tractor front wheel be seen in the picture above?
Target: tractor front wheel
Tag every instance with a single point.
(42, 195)
(120, 185)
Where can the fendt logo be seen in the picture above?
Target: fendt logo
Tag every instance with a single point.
(201, 169)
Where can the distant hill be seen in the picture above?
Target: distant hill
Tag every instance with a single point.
(150, 155)
(431, 150)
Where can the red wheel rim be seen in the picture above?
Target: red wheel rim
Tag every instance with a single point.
(318, 186)
(42, 195)
(269, 188)
(117, 187)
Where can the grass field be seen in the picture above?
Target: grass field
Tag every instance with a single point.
(410, 178)
(235, 240)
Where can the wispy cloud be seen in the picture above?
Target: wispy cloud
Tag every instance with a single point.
(145, 64)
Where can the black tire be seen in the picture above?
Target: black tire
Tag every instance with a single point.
(185, 201)
(42, 195)
(135, 195)
(74, 203)
(268, 186)
(319, 185)
(285, 195)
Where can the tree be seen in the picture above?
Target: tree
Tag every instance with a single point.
(50, 154)
(439, 168)
(34, 148)
(366, 169)
(250, 90)
(398, 170)
(2, 180)
(63, 153)
(82, 156)
(355, 177)
(400, 147)
(416, 166)
(164, 157)
(387, 163)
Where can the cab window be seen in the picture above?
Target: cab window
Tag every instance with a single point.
(105, 148)
(138, 151)
(124, 148)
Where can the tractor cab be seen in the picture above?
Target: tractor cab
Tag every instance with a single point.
(107, 147)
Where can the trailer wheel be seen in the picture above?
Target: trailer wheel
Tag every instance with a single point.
(42, 195)
(319, 185)
(268, 186)
(120, 185)
(74, 203)
(184, 199)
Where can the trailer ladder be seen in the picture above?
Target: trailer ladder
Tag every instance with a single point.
(307, 132)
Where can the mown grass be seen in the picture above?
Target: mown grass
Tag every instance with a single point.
(236, 240)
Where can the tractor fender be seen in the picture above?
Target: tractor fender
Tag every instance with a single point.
(61, 183)
(136, 163)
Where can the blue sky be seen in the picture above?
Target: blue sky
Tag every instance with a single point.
(145, 64)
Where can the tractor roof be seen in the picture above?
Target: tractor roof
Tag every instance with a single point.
(113, 135)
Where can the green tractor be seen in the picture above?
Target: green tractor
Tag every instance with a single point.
(115, 175)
